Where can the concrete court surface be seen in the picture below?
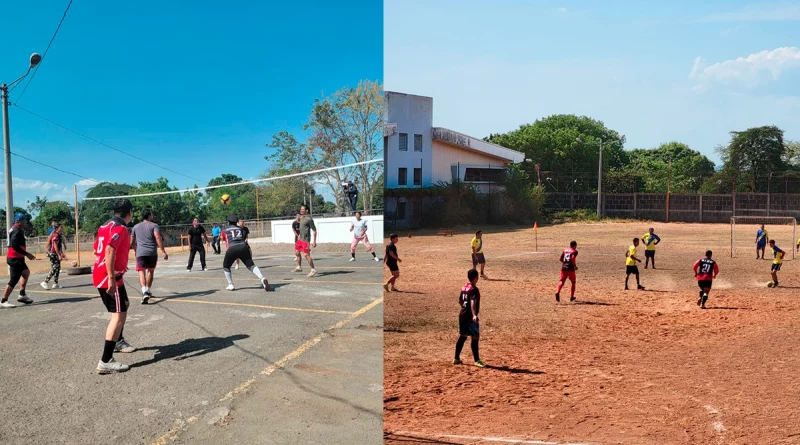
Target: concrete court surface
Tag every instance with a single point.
(302, 364)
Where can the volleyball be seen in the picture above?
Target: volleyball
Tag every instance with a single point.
(226, 199)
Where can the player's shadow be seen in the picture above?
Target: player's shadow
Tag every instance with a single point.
(511, 370)
(414, 439)
(159, 300)
(727, 308)
(191, 347)
(495, 279)
(407, 292)
(594, 303)
(335, 272)
(62, 300)
(656, 291)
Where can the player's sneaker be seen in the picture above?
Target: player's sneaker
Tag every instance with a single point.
(572, 298)
(626, 287)
(230, 287)
(386, 288)
(111, 367)
(44, 285)
(297, 269)
(480, 364)
(146, 297)
(457, 361)
(312, 273)
(124, 347)
(352, 259)
(558, 296)
(24, 299)
(7, 305)
(265, 283)
(640, 287)
(376, 259)
(205, 269)
(56, 286)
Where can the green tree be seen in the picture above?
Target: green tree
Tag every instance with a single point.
(58, 211)
(242, 198)
(92, 214)
(168, 208)
(688, 171)
(755, 152)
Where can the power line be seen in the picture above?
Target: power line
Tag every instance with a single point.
(252, 181)
(36, 70)
(49, 166)
(104, 144)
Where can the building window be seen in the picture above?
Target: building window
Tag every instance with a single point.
(401, 210)
(403, 141)
(402, 174)
(417, 176)
(417, 142)
(483, 174)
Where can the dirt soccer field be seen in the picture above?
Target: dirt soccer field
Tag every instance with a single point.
(298, 365)
(614, 367)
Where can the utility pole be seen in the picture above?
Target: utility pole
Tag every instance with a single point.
(7, 158)
(600, 179)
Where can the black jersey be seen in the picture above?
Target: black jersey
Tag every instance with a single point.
(235, 235)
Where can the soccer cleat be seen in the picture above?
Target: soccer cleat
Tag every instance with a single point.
(386, 288)
(352, 259)
(775, 285)
(558, 296)
(312, 273)
(572, 298)
(480, 364)
(56, 286)
(111, 367)
(265, 283)
(6, 305)
(124, 347)
(376, 259)
(626, 287)
(43, 284)
(640, 287)
(457, 361)
(24, 299)
(230, 287)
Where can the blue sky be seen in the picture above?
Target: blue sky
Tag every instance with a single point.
(197, 87)
(689, 71)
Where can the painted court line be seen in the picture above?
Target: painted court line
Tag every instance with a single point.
(488, 438)
(183, 277)
(173, 433)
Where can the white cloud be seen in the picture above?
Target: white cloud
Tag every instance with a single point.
(34, 185)
(776, 12)
(27, 189)
(751, 71)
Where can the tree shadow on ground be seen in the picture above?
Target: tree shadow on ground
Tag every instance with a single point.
(191, 347)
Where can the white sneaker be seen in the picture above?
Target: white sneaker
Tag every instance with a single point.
(124, 347)
(43, 284)
(24, 299)
(205, 269)
(376, 259)
(230, 287)
(312, 273)
(111, 367)
(7, 305)
(56, 286)
(298, 269)
(352, 259)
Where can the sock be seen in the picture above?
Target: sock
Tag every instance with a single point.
(228, 276)
(108, 351)
(460, 346)
(257, 272)
(144, 289)
(572, 290)
(373, 255)
(474, 346)
(560, 285)
(22, 292)
(352, 254)
(3, 300)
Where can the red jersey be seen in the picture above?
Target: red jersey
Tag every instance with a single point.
(705, 269)
(114, 233)
(568, 259)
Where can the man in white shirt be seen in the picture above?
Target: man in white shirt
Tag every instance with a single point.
(359, 229)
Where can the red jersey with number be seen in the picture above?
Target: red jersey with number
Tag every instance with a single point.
(568, 259)
(706, 269)
(114, 233)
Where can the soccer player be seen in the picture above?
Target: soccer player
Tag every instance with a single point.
(761, 241)
(477, 253)
(196, 235)
(650, 241)
(238, 249)
(568, 268)
(390, 259)
(146, 242)
(468, 322)
(215, 235)
(111, 247)
(296, 230)
(56, 254)
(304, 240)
(18, 271)
(359, 229)
(777, 254)
(705, 270)
(630, 264)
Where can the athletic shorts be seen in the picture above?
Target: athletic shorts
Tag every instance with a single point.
(761, 245)
(146, 262)
(704, 284)
(238, 252)
(632, 270)
(393, 266)
(776, 267)
(468, 327)
(478, 258)
(567, 275)
(302, 246)
(649, 253)
(115, 303)
(16, 266)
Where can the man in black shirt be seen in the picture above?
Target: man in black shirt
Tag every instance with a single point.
(391, 259)
(196, 235)
(235, 236)
(470, 302)
(15, 257)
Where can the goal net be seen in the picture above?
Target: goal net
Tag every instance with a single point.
(783, 229)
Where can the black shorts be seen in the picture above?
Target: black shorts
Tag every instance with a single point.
(146, 262)
(115, 303)
(632, 270)
(776, 267)
(469, 328)
(649, 253)
(478, 258)
(238, 252)
(704, 284)
(393, 267)
(16, 266)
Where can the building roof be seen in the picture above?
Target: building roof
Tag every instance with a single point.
(470, 143)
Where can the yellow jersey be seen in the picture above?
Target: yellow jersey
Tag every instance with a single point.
(778, 254)
(648, 244)
(477, 245)
(629, 261)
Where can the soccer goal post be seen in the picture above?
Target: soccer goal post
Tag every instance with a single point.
(783, 229)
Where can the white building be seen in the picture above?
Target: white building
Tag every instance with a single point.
(417, 154)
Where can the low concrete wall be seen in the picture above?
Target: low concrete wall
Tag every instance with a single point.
(330, 230)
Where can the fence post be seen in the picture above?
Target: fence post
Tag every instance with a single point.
(635, 200)
(701, 207)
(733, 204)
(667, 210)
(768, 196)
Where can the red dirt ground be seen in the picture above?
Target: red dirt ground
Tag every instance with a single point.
(616, 367)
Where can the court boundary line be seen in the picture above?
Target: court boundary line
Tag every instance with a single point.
(488, 438)
(176, 431)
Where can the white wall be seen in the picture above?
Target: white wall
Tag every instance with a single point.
(412, 115)
(331, 230)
